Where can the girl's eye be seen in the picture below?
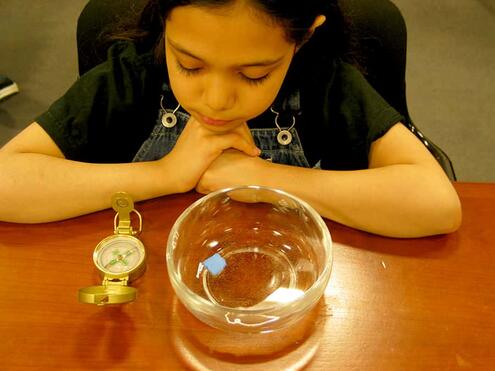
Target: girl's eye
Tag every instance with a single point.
(255, 81)
(187, 71)
(249, 80)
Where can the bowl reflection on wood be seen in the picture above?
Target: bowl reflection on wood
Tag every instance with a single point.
(202, 347)
(249, 259)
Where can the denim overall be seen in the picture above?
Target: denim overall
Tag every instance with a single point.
(162, 139)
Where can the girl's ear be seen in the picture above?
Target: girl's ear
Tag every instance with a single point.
(319, 20)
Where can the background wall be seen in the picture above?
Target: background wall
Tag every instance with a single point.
(450, 73)
(450, 79)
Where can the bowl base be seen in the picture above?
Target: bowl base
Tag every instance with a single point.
(255, 278)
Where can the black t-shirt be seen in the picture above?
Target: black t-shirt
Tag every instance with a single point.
(111, 110)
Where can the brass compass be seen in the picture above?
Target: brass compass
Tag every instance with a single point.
(120, 258)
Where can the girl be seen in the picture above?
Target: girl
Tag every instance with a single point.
(248, 92)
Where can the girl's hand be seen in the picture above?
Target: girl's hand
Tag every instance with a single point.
(232, 168)
(197, 147)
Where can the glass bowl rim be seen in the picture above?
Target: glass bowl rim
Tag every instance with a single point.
(301, 302)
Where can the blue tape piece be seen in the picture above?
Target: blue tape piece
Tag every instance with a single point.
(215, 264)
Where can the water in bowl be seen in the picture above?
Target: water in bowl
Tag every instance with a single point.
(254, 259)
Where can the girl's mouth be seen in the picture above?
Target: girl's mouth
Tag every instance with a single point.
(214, 122)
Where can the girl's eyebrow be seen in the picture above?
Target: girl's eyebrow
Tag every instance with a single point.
(262, 63)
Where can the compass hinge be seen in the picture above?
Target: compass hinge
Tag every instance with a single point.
(115, 281)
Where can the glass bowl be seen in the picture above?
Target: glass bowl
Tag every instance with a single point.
(249, 259)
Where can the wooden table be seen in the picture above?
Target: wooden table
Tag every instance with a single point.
(391, 304)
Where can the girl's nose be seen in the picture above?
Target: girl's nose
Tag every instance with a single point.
(219, 94)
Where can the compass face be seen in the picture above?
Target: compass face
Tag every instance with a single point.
(119, 254)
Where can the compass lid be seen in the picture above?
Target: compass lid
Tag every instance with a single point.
(103, 295)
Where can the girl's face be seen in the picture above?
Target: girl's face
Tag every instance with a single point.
(225, 65)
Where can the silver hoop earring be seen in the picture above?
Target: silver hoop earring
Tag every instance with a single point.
(284, 137)
(169, 120)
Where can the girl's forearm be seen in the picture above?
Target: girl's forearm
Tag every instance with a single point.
(396, 201)
(38, 188)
